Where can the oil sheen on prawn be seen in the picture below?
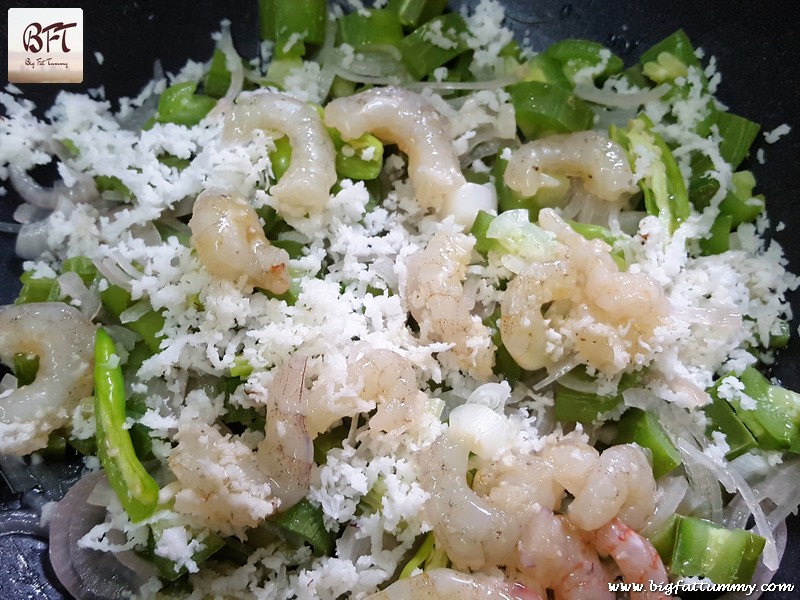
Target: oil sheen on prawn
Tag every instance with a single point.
(305, 187)
(231, 243)
(600, 163)
(407, 119)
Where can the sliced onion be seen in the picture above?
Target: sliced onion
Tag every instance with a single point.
(32, 240)
(630, 100)
(672, 492)
(87, 301)
(47, 198)
(87, 574)
(733, 481)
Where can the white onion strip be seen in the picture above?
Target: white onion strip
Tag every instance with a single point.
(620, 99)
(733, 481)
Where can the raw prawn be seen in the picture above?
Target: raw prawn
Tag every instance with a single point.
(227, 486)
(407, 119)
(599, 162)
(554, 555)
(231, 243)
(606, 317)
(436, 300)
(446, 584)
(471, 529)
(387, 378)
(63, 339)
(635, 556)
(523, 328)
(619, 484)
(305, 186)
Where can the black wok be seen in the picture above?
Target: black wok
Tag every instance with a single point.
(757, 51)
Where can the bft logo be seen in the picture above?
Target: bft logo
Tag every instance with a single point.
(45, 45)
(32, 36)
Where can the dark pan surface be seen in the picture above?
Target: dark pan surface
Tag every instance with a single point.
(757, 51)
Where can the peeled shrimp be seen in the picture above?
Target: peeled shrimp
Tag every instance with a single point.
(446, 584)
(520, 483)
(407, 119)
(471, 529)
(580, 304)
(63, 339)
(598, 161)
(230, 488)
(523, 328)
(635, 556)
(553, 555)
(619, 484)
(305, 187)
(287, 452)
(436, 300)
(231, 243)
(389, 379)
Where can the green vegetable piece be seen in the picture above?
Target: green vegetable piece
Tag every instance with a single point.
(70, 146)
(281, 157)
(26, 365)
(774, 421)
(705, 549)
(168, 569)
(722, 418)
(598, 232)
(664, 190)
(737, 134)
(428, 556)
(360, 159)
(740, 204)
(218, 78)
(544, 108)
(640, 427)
(719, 236)
(504, 363)
(304, 521)
(37, 289)
(174, 162)
(582, 407)
(327, 441)
(574, 56)
(379, 27)
(479, 227)
(781, 338)
(180, 105)
(135, 488)
(669, 58)
(116, 299)
(413, 13)
(292, 25)
(291, 295)
(546, 69)
(83, 266)
(663, 538)
(433, 44)
(508, 199)
(113, 186)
